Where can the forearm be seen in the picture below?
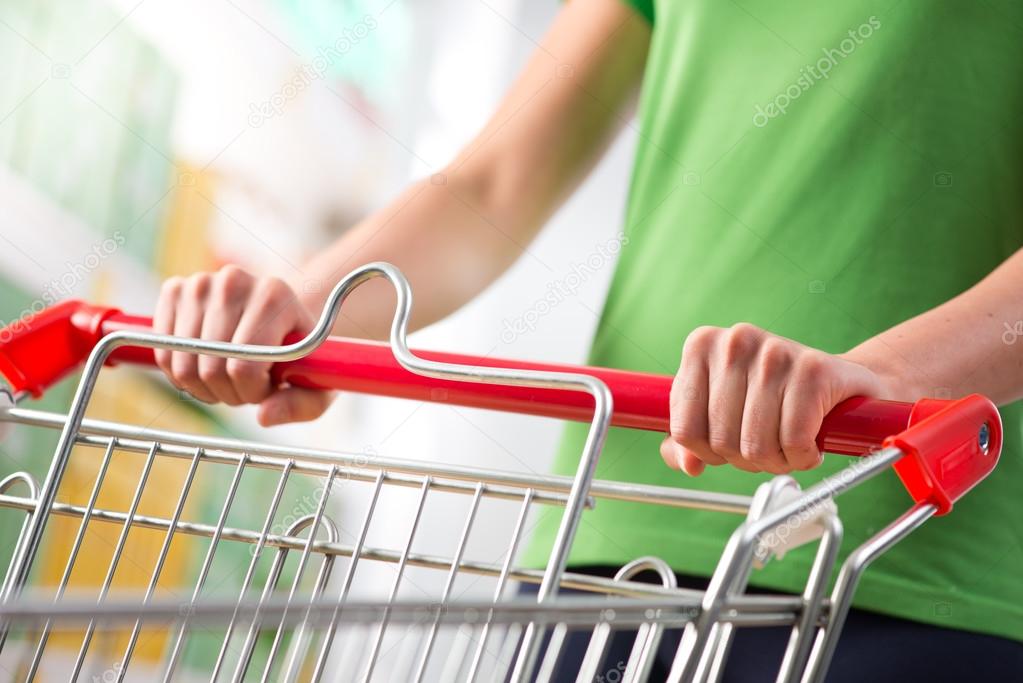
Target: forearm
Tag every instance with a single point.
(970, 344)
(447, 239)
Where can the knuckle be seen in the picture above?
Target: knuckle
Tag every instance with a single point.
(755, 450)
(700, 340)
(774, 356)
(183, 369)
(272, 292)
(230, 272)
(172, 286)
(210, 370)
(276, 287)
(230, 283)
(797, 444)
(243, 372)
(685, 433)
(721, 442)
(810, 368)
(747, 330)
(740, 341)
(805, 457)
(198, 285)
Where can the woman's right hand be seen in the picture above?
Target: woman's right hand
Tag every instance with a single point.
(233, 305)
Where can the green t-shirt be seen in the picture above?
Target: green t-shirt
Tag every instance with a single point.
(825, 171)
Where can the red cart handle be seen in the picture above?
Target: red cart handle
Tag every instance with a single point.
(950, 446)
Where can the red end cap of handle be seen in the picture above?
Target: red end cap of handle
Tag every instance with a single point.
(950, 447)
(37, 351)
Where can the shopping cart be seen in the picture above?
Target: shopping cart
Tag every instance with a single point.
(294, 611)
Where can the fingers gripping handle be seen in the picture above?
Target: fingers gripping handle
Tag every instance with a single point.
(950, 445)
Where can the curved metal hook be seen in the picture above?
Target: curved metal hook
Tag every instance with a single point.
(24, 477)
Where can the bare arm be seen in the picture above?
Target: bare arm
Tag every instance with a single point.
(451, 238)
(970, 344)
(754, 400)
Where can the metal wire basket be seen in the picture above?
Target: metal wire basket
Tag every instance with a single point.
(298, 613)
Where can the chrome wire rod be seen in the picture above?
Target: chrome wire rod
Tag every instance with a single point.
(96, 433)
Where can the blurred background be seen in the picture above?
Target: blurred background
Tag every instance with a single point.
(142, 139)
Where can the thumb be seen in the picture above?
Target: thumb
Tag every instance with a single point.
(293, 404)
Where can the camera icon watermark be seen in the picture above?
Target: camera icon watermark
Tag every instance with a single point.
(60, 71)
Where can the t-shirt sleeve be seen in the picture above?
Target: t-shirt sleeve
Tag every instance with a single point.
(644, 7)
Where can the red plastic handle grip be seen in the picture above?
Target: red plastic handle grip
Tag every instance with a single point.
(942, 439)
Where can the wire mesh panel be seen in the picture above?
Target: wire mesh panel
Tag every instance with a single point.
(132, 525)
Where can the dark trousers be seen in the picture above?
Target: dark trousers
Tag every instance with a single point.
(872, 647)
